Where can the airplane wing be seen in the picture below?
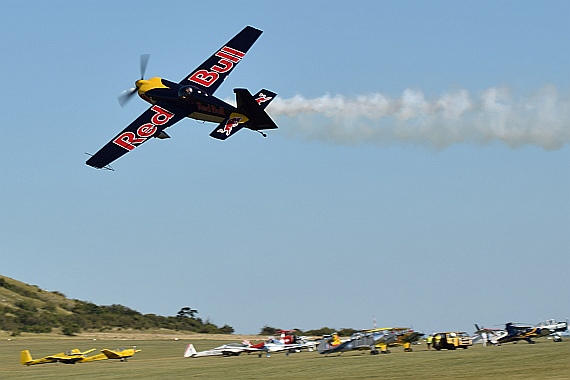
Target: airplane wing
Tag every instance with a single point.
(62, 358)
(112, 354)
(93, 358)
(276, 347)
(150, 124)
(77, 351)
(210, 74)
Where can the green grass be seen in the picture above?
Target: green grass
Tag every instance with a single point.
(162, 359)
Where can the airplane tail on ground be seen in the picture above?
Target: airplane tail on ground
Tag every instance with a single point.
(511, 330)
(251, 114)
(25, 357)
(190, 351)
(324, 346)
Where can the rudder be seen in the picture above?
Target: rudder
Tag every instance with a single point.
(190, 351)
(264, 97)
(25, 357)
(250, 114)
(247, 104)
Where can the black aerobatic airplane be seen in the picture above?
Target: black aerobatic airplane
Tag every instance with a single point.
(192, 97)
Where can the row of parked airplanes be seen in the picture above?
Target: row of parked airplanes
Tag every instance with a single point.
(77, 356)
(377, 340)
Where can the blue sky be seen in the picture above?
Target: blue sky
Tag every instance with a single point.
(420, 174)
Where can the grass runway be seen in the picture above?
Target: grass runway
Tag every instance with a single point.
(162, 359)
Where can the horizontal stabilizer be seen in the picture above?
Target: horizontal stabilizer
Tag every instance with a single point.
(227, 128)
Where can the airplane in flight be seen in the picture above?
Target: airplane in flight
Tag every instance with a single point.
(192, 97)
(358, 341)
(71, 357)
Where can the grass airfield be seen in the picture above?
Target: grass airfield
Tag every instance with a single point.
(161, 358)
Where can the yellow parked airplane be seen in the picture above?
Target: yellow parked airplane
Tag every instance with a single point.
(120, 353)
(70, 357)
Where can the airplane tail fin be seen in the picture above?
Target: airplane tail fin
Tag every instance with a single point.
(323, 346)
(25, 357)
(190, 351)
(254, 108)
(511, 330)
(251, 114)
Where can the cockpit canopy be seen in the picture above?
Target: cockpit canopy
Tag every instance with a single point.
(186, 92)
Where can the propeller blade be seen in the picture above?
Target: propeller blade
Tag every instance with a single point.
(125, 96)
(144, 63)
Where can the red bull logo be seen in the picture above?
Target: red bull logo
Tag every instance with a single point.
(230, 124)
(262, 98)
(129, 140)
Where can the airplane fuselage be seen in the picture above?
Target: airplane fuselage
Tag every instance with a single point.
(195, 103)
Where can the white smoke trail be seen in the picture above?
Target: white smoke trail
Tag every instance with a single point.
(542, 119)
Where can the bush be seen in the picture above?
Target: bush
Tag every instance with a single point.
(268, 330)
(321, 331)
(70, 330)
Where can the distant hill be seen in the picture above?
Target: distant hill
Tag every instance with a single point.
(28, 308)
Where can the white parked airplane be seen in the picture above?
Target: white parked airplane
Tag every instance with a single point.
(230, 349)
(556, 328)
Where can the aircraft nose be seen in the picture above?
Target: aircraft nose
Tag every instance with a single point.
(140, 86)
